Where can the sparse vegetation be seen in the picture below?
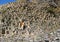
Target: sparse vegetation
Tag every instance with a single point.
(38, 19)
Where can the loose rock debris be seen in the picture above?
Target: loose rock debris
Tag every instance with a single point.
(29, 22)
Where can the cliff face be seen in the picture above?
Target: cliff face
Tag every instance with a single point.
(29, 20)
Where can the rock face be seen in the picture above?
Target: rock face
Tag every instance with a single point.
(29, 22)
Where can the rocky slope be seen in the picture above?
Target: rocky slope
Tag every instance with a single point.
(29, 20)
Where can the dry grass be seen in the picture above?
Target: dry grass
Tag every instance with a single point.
(36, 16)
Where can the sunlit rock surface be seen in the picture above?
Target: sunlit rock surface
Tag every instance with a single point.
(28, 21)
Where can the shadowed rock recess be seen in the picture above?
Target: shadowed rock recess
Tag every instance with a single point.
(30, 21)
